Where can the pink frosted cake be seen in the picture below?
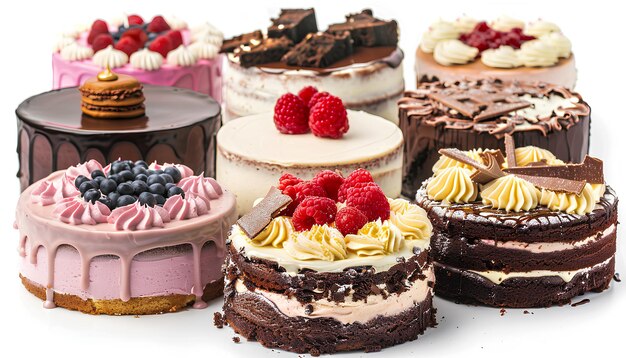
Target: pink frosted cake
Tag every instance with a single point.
(163, 52)
(127, 238)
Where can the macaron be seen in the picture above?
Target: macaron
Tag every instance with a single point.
(112, 96)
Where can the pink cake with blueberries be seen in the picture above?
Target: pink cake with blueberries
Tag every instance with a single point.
(127, 238)
(165, 52)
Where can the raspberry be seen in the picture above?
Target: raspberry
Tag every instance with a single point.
(98, 27)
(350, 220)
(128, 45)
(137, 34)
(134, 20)
(314, 210)
(301, 191)
(316, 97)
(330, 181)
(158, 24)
(370, 199)
(288, 180)
(176, 37)
(102, 41)
(290, 115)
(328, 118)
(162, 45)
(358, 176)
(306, 93)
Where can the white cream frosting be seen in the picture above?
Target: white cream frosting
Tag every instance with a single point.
(506, 23)
(465, 24)
(176, 23)
(439, 31)
(538, 53)
(182, 57)
(510, 193)
(63, 42)
(568, 202)
(542, 107)
(452, 185)
(454, 52)
(110, 57)
(321, 242)
(147, 60)
(501, 57)
(207, 33)
(411, 219)
(559, 42)
(204, 50)
(76, 52)
(540, 28)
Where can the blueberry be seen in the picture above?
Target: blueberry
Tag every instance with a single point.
(139, 187)
(125, 200)
(86, 185)
(150, 172)
(157, 188)
(160, 200)
(118, 167)
(169, 185)
(155, 178)
(141, 164)
(114, 196)
(125, 189)
(127, 175)
(97, 173)
(175, 191)
(139, 170)
(168, 178)
(99, 180)
(92, 195)
(116, 178)
(130, 164)
(147, 198)
(159, 171)
(79, 180)
(175, 173)
(108, 202)
(107, 186)
(142, 177)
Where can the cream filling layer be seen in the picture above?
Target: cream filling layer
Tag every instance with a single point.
(498, 277)
(349, 311)
(544, 247)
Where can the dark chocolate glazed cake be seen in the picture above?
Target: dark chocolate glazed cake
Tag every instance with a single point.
(477, 114)
(179, 126)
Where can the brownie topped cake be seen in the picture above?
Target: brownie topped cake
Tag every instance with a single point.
(337, 270)
(361, 52)
(525, 231)
(506, 48)
(477, 114)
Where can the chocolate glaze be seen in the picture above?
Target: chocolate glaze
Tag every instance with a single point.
(53, 134)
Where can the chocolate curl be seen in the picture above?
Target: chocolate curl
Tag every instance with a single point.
(509, 149)
(262, 214)
(555, 184)
(484, 173)
(590, 171)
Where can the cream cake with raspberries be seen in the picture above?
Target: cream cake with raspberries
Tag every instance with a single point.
(329, 265)
(128, 238)
(521, 230)
(506, 48)
(164, 52)
(308, 132)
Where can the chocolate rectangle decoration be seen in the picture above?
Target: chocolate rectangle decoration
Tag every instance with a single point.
(555, 184)
(590, 171)
(509, 149)
(262, 214)
(484, 173)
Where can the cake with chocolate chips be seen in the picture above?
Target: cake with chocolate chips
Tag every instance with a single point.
(361, 52)
(126, 238)
(521, 230)
(478, 114)
(329, 266)
(505, 48)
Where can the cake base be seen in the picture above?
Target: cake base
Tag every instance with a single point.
(117, 307)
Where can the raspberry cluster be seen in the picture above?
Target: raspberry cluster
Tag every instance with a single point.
(483, 37)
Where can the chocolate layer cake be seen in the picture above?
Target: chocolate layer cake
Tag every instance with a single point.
(320, 280)
(178, 127)
(534, 234)
(477, 114)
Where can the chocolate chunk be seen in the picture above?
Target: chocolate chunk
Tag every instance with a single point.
(295, 24)
(509, 149)
(366, 30)
(269, 50)
(480, 106)
(484, 173)
(319, 50)
(581, 302)
(590, 170)
(555, 184)
(495, 153)
(242, 40)
(262, 214)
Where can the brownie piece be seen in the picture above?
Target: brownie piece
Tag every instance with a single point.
(366, 30)
(246, 39)
(319, 50)
(269, 50)
(293, 23)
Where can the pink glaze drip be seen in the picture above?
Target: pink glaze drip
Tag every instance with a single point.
(77, 211)
(138, 217)
(184, 170)
(205, 188)
(190, 207)
(46, 193)
(197, 289)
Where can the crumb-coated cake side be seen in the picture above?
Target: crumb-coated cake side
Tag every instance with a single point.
(333, 267)
(128, 238)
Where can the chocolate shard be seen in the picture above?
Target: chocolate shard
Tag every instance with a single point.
(462, 104)
(262, 214)
(496, 153)
(319, 50)
(266, 51)
(480, 106)
(509, 149)
(366, 30)
(295, 24)
(242, 40)
(590, 171)
(555, 184)
(484, 173)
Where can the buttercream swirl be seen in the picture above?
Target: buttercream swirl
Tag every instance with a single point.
(184, 170)
(559, 42)
(410, 219)
(204, 50)
(146, 60)
(63, 42)
(189, 207)
(439, 31)
(445, 162)
(454, 52)
(76, 52)
(207, 33)
(47, 193)
(452, 185)
(501, 57)
(274, 234)
(206, 188)
(531, 154)
(138, 217)
(506, 23)
(364, 242)
(569, 202)
(76, 211)
(538, 53)
(465, 24)
(110, 57)
(598, 191)
(69, 177)
(176, 23)
(321, 242)
(510, 193)
(540, 28)
(182, 57)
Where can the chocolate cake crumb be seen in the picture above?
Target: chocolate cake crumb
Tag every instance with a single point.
(137, 316)
(218, 320)
(236, 339)
(314, 352)
(581, 302)
(308, 309)
(616, 277)
(526, 312)
(502, 311)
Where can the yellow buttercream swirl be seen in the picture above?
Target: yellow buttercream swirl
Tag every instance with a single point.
(454, 52)
(438, 31)
(570, 203)
(501, 57)
(532, 154)
(278, 231)
(510, 193)
(321, 242)
(561, 44)
(411, 219)
(453, 185)
(445, 162)
(538, 53)
(375, 238)
(598, 191)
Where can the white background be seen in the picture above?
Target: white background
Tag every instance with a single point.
(29, 30)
